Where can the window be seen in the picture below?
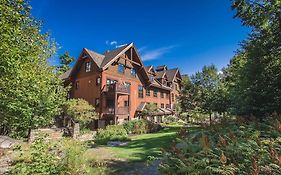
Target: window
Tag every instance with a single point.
(147, 92)
(155, 93)
(133, 72)
(167, 95)
(77, 85)
(167, 106)
(173, 97)
(109, 81)
(128, 86)
(121, 68)
(126, 103)
(98, 81)
(162, 105)
(97, 102)
(156, 104)
(162, 95)
(140, 91)
(88, 66)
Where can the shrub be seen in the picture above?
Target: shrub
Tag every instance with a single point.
(74, 161)
(45, 158)
(81, 111)
(111, 133)
(141, 126)
(248, 148)
(38, 159)
(171, 119)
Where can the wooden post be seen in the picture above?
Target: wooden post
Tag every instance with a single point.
(115, 104)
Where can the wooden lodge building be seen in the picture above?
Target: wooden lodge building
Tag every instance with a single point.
(119, 86)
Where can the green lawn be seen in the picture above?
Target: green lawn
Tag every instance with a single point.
(141, 146)
(146, 145)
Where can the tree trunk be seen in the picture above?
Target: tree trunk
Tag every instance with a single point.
(210, 117)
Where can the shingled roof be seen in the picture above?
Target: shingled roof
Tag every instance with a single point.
(109, 55)
(171, 73)
(96, 57)
(65, 75)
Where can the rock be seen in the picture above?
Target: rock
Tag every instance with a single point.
(7, 142)
(116, 143)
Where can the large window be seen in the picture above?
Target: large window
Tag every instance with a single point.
(155, 93)
(88, 66)
(147, 92)
(162, 105)
(121, 68)
(140, 91)
(133, 72)
(167, 105)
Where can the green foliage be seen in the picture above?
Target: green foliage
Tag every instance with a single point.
(149, 109)
(65, 61)
(111, 133)
(239, 147)
(141, 126)
(204, 93)
(46, 158)
(30, 93)
(81, 111)
(74, 161)
(254, 73)
(171, 119)
(38, 159)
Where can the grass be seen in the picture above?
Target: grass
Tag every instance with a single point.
(142, 146)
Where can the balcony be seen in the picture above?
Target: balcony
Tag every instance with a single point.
(119, 110)
(117, 88)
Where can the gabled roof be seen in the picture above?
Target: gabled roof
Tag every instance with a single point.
(160, 75)
(96, 57)
(161, 68)
(65, 75)
(171, 73)
(109, 56)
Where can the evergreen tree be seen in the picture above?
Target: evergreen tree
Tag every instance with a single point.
(65, 61)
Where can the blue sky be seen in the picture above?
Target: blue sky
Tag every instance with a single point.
(179, 33)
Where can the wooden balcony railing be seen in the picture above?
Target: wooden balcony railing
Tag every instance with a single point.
(117, 88)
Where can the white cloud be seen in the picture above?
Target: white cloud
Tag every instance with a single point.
(113, 43)
(120, 45)
(154, 54)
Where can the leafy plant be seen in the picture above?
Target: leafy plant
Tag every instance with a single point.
(31, 94)
(226, 149)
(141, 126)
(46, 158)
(111, 133)
(81, 111)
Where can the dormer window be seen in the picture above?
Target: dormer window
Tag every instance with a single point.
(88, 66)
(121, 68)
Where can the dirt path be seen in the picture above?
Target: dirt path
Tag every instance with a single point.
(120, 166)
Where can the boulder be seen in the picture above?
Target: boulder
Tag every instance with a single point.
(7, 142)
